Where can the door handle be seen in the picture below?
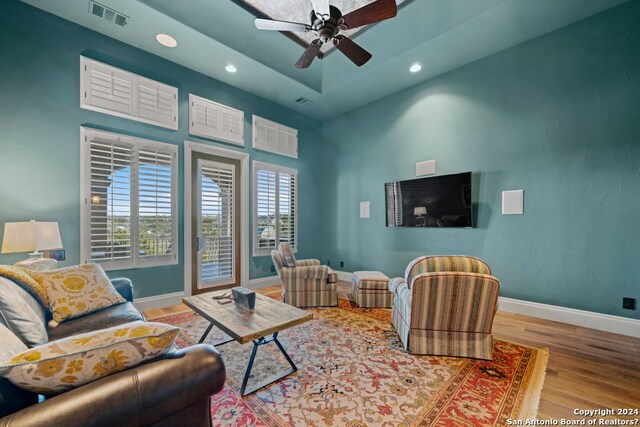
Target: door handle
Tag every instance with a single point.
(201, 242)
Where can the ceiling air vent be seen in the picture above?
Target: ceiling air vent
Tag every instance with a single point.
(303, 100)
(101, 11)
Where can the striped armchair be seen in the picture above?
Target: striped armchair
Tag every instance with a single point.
(445, 306)
(305, 283)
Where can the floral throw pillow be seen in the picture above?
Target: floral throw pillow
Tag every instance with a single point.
(75, 291)
(74, 361)
(22, 278)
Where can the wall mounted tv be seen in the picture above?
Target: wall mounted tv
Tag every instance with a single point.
(439, 201)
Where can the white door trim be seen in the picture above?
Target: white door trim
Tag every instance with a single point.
(189, 148)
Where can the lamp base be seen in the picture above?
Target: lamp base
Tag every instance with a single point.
(35, 254)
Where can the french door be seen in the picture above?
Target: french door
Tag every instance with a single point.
(215, 223)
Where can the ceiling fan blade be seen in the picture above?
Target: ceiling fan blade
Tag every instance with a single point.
(321, 8)
(353, 51)
(374, 12)
(309, 55)
(268, 24)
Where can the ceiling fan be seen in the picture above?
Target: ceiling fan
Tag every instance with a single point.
(327, 21)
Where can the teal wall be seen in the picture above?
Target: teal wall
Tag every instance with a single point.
(559, 117)
(40, 121)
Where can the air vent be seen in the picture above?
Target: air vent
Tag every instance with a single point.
(303, 100)
(108, 14)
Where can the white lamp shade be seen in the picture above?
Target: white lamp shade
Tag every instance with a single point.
(420, 210)
(30, 236)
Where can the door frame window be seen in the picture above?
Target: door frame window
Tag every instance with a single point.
(191, 147)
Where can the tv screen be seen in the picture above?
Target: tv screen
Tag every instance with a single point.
(439, 201)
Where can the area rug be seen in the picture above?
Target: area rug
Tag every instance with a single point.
(353, 372)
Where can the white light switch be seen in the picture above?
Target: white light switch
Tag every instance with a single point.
(513, 202)
(365, 208)
(426, 168)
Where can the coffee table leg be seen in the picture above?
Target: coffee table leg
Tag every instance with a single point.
(257, 343)
(204, 337)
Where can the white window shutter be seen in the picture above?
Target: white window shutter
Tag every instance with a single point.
(275, 211)
(157, 102)
(116, 92)
(274, 137)
(212, 120)
(288, 141)
(106, 88)
(231, 124)
(129, 196)
(265, 134)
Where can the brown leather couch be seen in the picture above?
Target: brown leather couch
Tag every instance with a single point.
(173, 390)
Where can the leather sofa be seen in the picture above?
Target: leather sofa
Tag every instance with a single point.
(172, 390)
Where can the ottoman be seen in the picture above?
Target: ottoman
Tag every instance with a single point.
(370, 289)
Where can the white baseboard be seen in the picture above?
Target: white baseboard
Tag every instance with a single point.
(586, 319)
(264, 282)
(571, 316)
(159, 301)
(175, 298)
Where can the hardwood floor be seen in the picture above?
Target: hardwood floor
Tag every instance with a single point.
(588, 369)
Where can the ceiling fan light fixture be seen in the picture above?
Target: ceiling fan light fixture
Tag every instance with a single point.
(231, 68)
(166, 40)
(415, 68)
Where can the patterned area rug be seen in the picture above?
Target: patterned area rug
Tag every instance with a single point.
(354, 372)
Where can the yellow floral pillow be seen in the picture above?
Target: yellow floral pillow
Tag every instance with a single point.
(77, 290)
(23, 279)
(74, 361)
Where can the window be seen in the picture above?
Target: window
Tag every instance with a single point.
(275, 214)
(274, 138)
(116, 92)
(129, 201)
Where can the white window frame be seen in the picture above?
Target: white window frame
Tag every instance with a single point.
(278, 170)
(86, 136)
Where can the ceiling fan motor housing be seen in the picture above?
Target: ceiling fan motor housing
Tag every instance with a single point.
(327, 30)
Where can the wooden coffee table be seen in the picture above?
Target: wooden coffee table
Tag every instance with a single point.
(259, 325)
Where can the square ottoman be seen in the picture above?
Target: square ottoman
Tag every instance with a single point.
(370, 289)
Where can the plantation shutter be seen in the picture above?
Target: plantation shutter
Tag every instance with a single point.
(287, 210)
(209, 119)
(110, 219)
(217, 217)
(117, 92)
(107, 87)
(266, 209)
(275, 207)
(156, 203)
(274, 137)
(288, 141)
(129, 215)
(157, 102)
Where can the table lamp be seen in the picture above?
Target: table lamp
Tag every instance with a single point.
(31, 236)
(420, 212)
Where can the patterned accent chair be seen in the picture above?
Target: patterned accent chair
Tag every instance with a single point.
(305, 283)
(445, 306)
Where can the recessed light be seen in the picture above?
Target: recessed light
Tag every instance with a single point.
(166, 40)
(230, 68)
(415, 68)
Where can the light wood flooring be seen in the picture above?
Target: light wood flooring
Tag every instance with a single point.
(588, 369)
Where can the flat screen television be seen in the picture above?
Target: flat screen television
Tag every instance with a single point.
(438, 201)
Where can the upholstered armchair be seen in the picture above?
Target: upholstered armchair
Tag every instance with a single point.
(305, 283)
(445, 306)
